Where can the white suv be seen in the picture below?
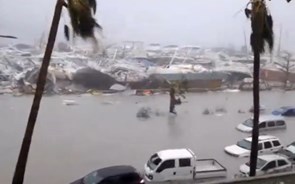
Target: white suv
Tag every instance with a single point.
(266, 144)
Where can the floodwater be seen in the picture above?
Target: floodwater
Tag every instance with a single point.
(71, 141)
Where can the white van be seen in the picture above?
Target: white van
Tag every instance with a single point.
(266, 144)
(266, 122)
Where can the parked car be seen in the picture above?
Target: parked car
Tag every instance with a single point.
(266, 144)
(268, 164)
(181, 164)
(285, 111)
(266, 122)
(122, 174)
(289, 152)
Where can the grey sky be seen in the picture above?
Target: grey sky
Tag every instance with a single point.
(206, 22)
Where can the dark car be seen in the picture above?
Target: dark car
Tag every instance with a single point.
(285, 111)
(289, 152)
(122, 174)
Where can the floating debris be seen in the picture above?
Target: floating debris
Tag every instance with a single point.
(144, 112)
(207, 112)
(70, 102)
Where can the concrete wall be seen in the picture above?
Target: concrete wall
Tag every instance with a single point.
(286, 178)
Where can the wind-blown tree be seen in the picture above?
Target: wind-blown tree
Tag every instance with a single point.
(83, 24)
(286, 66)
(261, 24)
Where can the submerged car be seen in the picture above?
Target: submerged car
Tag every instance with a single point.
(268, 164)
(266, 144)
(122, 174)
(285, 111)
(289, 152)
(266, 122)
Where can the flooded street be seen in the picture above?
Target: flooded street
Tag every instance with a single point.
(71, 141)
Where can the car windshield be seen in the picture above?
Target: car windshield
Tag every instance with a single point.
(260, 163)
(291, 148)
(248, 123)
(244, 144)
(154, 162)
(92, 178)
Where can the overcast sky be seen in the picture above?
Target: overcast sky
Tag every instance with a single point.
(201, 22)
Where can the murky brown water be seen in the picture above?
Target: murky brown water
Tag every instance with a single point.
(71, 141)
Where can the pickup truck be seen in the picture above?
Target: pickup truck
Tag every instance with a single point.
(181, 164)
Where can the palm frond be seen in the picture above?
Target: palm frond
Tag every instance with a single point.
(262, 26)
(82, 20)
(92, 4)
(8, 36)
(66, 32)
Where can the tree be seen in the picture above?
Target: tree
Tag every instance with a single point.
(286, 66)
(84, 28)
(261, 24)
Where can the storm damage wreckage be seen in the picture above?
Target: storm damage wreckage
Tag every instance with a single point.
(132, 66)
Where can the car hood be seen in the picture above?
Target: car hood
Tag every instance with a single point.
(237, 151)
(244, 128)
(286, 153)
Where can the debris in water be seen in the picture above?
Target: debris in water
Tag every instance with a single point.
(207, 112)
(144, 112)
(70, 102)
(220, 110)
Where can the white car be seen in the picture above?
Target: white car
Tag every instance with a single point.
(266, 144)
(268, 164)
(266, 122)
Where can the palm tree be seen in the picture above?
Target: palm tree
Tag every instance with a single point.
(261, 23)
(84, 28)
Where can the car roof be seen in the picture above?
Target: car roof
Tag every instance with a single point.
(271, 157)
(263, 138)
(287, 107)
(270, 117)
(175, 153)
(115, 170)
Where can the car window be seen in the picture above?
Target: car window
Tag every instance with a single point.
(185, 162)
(276, 143)
(280, 123)
(129, 178)
(267, 145)
(271, 124)
(260, 146)
(270, 165)
(166, 165)
(282, 163)
(262, 125)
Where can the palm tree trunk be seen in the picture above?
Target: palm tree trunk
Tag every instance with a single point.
(255, 131)
(20, 169)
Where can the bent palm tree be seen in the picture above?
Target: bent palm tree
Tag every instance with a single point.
(25, 147)
(261, 23)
